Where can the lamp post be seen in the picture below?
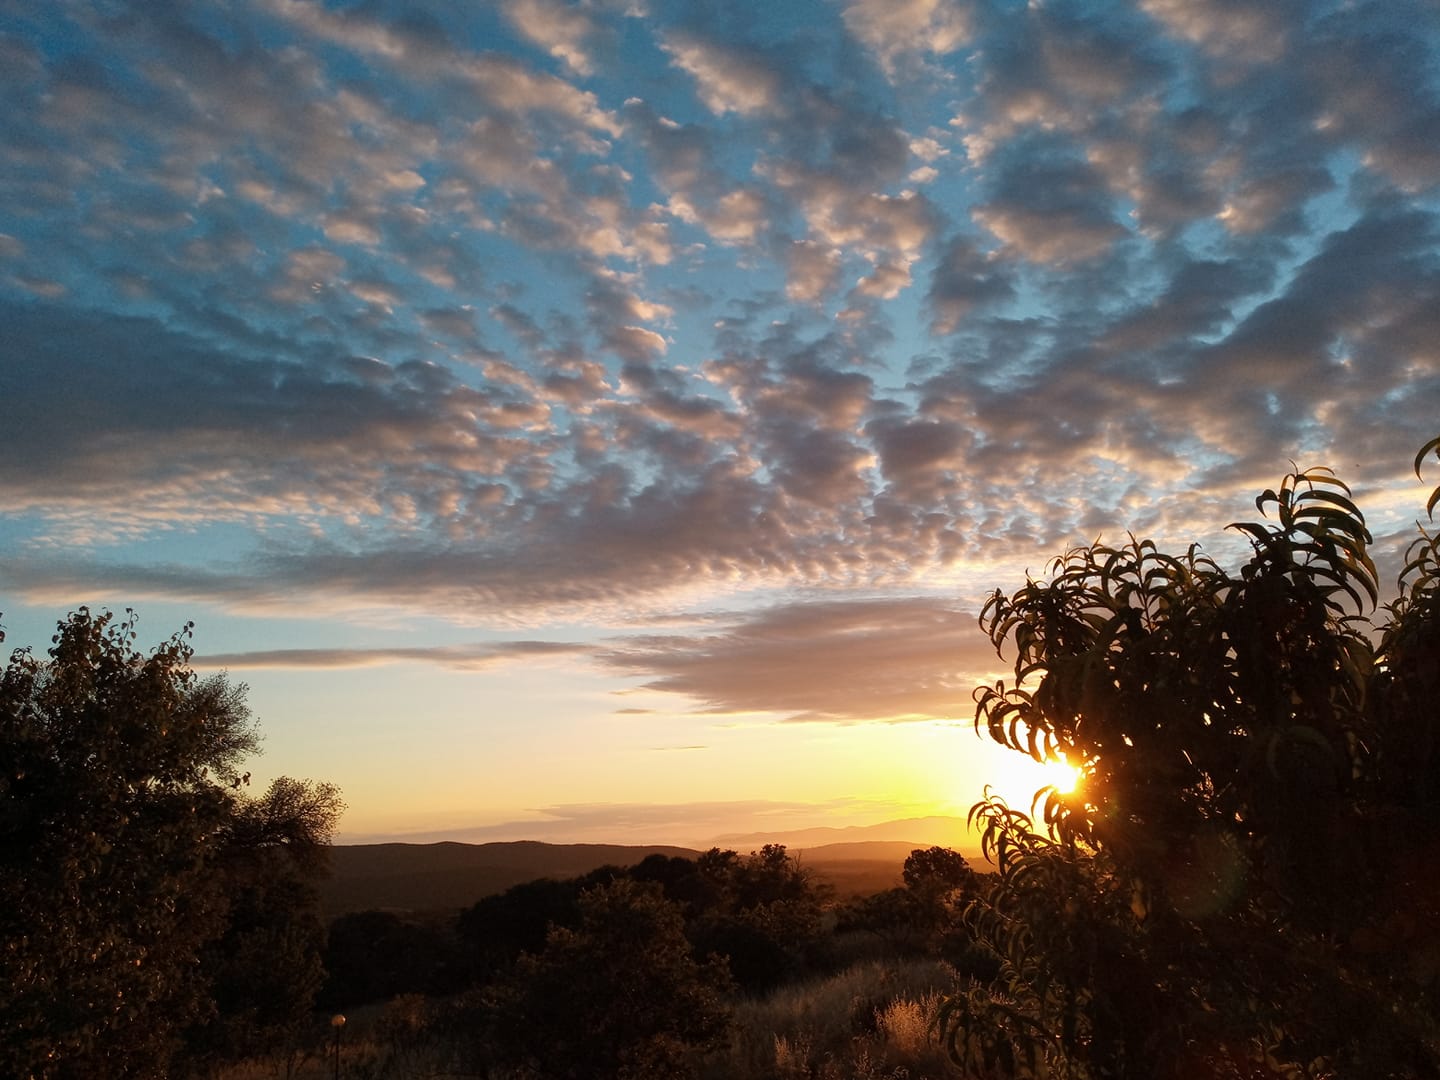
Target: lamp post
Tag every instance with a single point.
(337, 1022)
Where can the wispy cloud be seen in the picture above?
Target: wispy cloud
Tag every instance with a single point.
(847, 661)
(462, 657)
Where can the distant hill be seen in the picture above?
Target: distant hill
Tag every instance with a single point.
(858, 868)
(920, 832)
(450, 875)
(436, 877)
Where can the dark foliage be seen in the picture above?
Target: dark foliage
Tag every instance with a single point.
(147, 906)
(378, 955)
(1240, 884)
(923, 917)
(760, 912)
(264, 971)
(619, 996)
(497, 929)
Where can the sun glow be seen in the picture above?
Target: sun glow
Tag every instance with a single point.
(1061, 775)
(1019, 777)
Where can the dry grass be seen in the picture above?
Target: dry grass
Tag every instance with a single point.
(872, 1021)
(869, 1022)
(379, 1042)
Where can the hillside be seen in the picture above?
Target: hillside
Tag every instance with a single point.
(919, 832)
(452, 875)
(432, 877)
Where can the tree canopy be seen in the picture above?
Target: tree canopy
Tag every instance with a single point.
(619, 996)
(1238, 885)
(133, 867)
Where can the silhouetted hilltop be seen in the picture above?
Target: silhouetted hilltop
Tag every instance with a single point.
(454, 875)
(920, 832)
(448, 875)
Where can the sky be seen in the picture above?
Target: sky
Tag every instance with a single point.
(605, 420)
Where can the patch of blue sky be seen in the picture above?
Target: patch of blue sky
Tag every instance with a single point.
(32, 625)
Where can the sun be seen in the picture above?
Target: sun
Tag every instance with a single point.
(1017, 777)
(1060, 775)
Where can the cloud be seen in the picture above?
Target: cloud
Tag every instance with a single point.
(683, 156)
(1049, 207)
(423, 50)
(130, 419)
(728, 77)
(327, 308)
(1253, 31)
(896, 30)
(1198, 299)
(462, 657)
(1372, 80)
(812, 270)
(887, 281)
(1358, 313)
(634, 343)
(1090, 73)
(846, 661)
(964, 279)
(557, 27)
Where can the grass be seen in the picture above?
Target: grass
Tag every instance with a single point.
(872, 1021)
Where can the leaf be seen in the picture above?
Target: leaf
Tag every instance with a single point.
(1433, 444)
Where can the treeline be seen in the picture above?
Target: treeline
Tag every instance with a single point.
(634, 971)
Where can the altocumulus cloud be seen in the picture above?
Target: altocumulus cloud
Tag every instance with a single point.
(533, 312)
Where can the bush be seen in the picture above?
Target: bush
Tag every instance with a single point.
(618, 997)
(141, 892)
(1222, 894)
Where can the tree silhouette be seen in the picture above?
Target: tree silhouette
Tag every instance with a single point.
(122, 831)
(1216, 896)
(377, 955)
(264, 971)
(618, 996)
(922, 915)
(762, 911)
(497, 929)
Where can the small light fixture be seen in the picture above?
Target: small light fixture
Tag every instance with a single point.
(337, 1022)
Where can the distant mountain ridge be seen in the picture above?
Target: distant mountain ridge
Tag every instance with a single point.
(453, 875)
(937, 830)
(449, 875)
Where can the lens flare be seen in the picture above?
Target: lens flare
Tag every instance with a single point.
(1061, 775)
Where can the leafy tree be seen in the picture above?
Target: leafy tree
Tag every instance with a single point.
(619, 996)
(938, 871)
(121, 830)
(265, 970)
(1216, 897)
(682, 880)
(921, 915)
(762, 911)
(496, 929)
(377, 955)
(890, 915)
